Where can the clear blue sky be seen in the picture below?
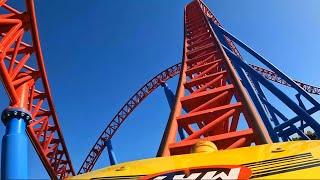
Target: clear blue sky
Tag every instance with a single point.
(98, 53)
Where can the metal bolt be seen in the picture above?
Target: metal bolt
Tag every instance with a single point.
(122, 168)
(278, 149)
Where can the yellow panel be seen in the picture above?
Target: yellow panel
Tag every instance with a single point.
(289, 160)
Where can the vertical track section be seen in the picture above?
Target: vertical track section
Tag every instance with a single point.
(210, 101)
(22, 65)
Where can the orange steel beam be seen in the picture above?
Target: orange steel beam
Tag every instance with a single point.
(206, 69)
(23, 74)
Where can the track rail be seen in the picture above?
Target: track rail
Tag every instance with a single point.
(123, 113)
(210, 93)
(44, 129)
(23, 74)
(270, 75)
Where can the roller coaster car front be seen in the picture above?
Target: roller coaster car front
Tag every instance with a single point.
(288, 160)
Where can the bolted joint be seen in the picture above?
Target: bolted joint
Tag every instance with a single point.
(162, 83)
(18, 113)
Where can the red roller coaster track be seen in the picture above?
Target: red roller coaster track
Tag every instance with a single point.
(24, 77)
(131, 105)
(272, 76)
(23, 74)
(123, 113)
(210, 97)
(143, 92)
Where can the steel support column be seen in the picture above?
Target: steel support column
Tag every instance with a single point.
(14, 153)
(112, 156)
(171, 98)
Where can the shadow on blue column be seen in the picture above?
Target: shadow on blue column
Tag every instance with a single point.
(171, 101)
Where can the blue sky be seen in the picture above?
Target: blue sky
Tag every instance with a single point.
(98, 54)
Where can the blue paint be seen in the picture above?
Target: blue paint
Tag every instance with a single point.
(262, 96)
(171, 100)
(297, 118)
(14, 152)
(279, 94)
(302, 113)
(246, 81)
(298, 96)
(254, 97)
(293, 129)
(169, 95)
(112, 156)
(269, 65)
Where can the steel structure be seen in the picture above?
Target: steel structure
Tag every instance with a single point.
(123, 113)
(217, 90)
(277, 123)
(281, 125)
(104, 137)
(270, 75)
(211, 93)
(23, 74)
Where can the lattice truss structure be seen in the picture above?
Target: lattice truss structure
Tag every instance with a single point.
(24, 77)
(123, 113)
(152, 84)
(209, 67)
(211, 97)
(255, 79)
(217, 90)
(270, 75)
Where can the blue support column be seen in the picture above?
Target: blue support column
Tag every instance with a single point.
(14, 152)
(267, 64)
(300, 110)
(171, 98)
(298, 96)
(112, 156)
(301, 113)
(246, 81)
(169, 94)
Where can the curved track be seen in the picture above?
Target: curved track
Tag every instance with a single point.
(23, 74)
(124, 112)
(147, 89)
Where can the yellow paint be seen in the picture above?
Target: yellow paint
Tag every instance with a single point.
(224, 157)
(204, 146)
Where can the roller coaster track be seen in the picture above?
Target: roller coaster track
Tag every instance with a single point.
(23, 75)
(19, 45)
(272, 76)
(124, 112)
(145, 91)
